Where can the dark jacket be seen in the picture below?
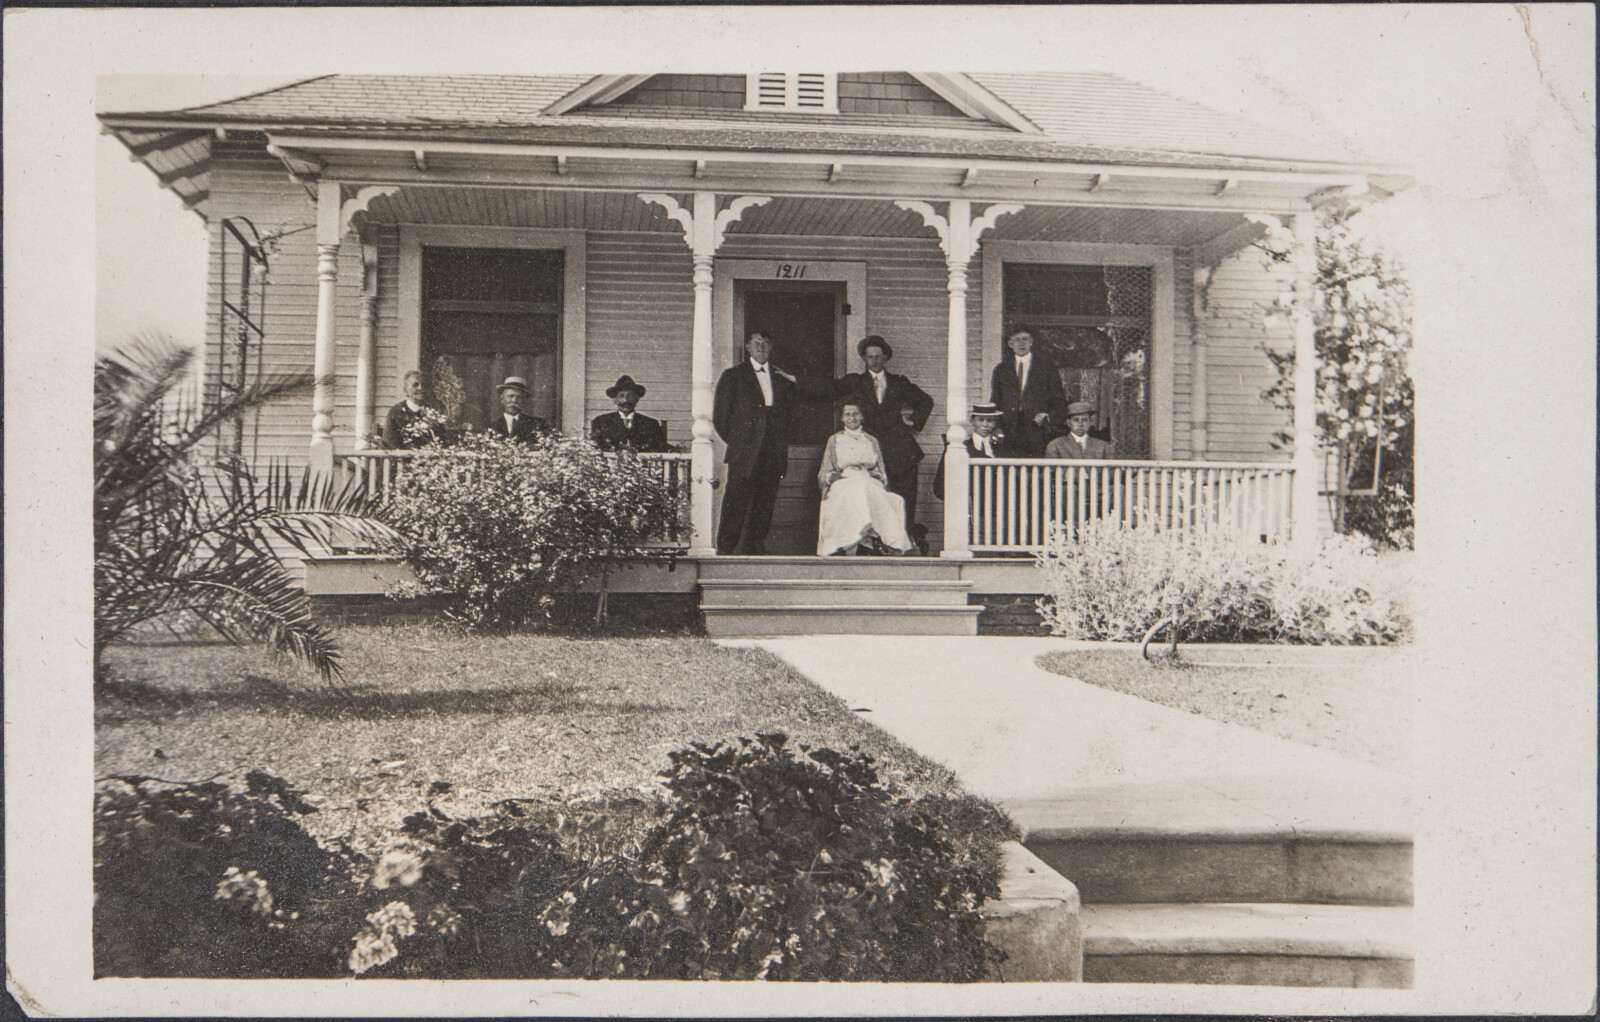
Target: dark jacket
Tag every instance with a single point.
(609, 433)
(744, 422)
(901, 452)
(529, 427)
(406, 429)
(998, 442)
(1043, 394)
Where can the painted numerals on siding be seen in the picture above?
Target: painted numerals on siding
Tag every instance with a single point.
(789, 271)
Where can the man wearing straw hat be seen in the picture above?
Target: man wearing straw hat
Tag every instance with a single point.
(512, 422)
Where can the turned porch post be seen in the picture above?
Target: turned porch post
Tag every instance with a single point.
(329, 230)
(703, 231)
(366, 364)
(1303, 503)
(958, 237)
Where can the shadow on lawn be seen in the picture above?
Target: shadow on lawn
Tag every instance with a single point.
(362, 702)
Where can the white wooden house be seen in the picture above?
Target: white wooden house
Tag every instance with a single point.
(572, 228)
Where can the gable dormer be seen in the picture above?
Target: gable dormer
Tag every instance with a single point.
(869, 93)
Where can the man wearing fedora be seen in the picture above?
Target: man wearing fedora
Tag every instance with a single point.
(895, 410)
(512, 422)
(625, 428)
(1076, 441)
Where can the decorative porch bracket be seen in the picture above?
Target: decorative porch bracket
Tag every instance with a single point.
(959, 233)
(703, 231)
(334, 216)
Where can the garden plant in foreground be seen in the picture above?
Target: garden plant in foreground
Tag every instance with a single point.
(766, 865)
(180, 539)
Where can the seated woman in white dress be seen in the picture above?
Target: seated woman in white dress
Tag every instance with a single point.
(855, 503)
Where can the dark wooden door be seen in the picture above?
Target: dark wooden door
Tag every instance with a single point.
(804, 328)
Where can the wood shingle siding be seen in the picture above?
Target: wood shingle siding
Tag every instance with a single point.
(685, 92)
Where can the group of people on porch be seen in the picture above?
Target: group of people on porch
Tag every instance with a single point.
(869, 469)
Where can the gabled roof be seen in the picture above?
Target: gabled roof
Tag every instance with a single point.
(1091, 110)
(1057, 119)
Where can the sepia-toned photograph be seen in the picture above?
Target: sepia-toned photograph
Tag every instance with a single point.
(708, 524)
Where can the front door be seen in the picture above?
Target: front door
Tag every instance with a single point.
(804, 323)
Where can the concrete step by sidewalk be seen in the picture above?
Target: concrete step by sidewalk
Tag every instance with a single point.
(816, 618)
(1254, 944)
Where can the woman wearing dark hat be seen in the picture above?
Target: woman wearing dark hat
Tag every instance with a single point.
(626, 429)
(512, 423)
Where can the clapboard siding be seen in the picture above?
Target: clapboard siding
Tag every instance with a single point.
(1240, 300)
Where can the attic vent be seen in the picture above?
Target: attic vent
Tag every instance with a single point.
(781, 91)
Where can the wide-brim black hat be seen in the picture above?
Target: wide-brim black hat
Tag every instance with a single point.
(873, 339)
(625, 383)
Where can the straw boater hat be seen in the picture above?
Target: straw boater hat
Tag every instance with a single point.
(986, 411)
(625, 383)
(873, 340)
(1080, 408)
(514, 383)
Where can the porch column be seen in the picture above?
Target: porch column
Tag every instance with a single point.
(1303, 503)
(703, 231)
(366, 364)
(329, 230)
(958, 237)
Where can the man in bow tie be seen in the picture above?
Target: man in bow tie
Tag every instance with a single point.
(513, 423)
(751, 412)
(625, 428)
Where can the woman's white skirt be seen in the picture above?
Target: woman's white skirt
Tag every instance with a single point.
(858, 505)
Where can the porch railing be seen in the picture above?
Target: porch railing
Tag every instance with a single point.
(1015, 500)
(380, 470)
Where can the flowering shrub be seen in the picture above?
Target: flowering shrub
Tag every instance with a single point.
(1116, 583)
(198, 880)
(499, 526)
(766, 865)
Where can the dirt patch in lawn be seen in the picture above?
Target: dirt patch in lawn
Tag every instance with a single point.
(1354, 701)
(431, 715)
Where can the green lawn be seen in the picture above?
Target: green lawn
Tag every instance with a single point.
(1355, 701)
(431, 714)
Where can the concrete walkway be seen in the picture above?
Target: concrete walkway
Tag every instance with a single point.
(1058, 752)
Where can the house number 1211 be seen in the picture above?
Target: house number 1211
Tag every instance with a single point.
(790, 271)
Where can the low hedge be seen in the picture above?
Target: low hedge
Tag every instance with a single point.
(761, 864)
(1115, 583)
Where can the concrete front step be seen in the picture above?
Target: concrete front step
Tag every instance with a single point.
(731, 620)
(1255, 944)
(863, 591)
(1270, 867)
(833, 568)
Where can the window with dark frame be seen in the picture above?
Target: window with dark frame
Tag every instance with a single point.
(1094, 322)
(490, 313)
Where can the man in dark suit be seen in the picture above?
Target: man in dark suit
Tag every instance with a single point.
(625, 428)
(512, 422)
(411, 423)
(1077, 442)
(751, 411)
(895, 410)
(1027, 388)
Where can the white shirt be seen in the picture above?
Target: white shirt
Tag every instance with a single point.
(1081, 441)
(763, 377)
(412, 405)
(1023, 364)
(511, 422)
(983, 442)
(880, 383)
(627, 421)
